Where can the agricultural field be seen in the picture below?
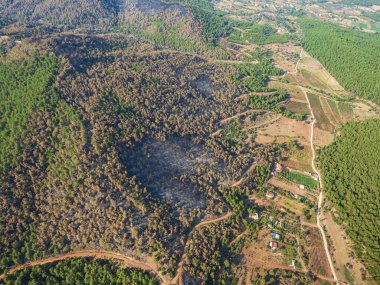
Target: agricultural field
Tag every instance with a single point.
(307, 181)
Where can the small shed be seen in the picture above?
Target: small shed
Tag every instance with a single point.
(273, 245)
(275, 235)
(270, 195)
(254, 216)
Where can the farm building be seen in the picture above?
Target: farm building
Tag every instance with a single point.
(279, 167)
(273, 245)
(300, 197)
(275, 235)
(270, 195)
(254, 216)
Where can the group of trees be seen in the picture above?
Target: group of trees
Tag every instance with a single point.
(68, 186)
(351, 56)
(270, 102)
(366, 3)
(252, 33)
(272, 276)
(350, 171)
(254, 77)
(80, 271)
(71, 14)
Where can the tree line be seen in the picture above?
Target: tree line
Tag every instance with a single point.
(351, 56)
(350, 171)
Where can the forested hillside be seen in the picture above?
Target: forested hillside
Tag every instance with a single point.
(361, 2)
(73, 13)
(350, 171)
(84, 271)
(352, 57)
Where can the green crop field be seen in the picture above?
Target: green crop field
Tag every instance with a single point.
(299, 178)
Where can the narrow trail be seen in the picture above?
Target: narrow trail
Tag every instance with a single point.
(237, 116)
(320, 199)
(127, 261)
(297, 64)
(243, 177)
(265, 123)
(303, 223)
(178, 278)
(300, 254)
(283, 267)
(148, 265)
(239, 237)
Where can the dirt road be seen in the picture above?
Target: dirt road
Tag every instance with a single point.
(282, 267)
(320, 199)
(149, 265)
(178, 277)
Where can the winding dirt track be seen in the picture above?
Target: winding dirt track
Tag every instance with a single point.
(127, 261)
(282, 267)
(178, 277)
(148, 265)
(320, 199)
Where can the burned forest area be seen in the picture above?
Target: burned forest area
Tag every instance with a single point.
(165, 142)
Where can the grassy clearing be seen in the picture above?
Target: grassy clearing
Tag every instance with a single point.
(362, 25)
(299, 178)
(348, 276)
(322, 120)
(329, 113)
(334, 108)
(250, 33)
(346, 110)
(297, 107)
(313, 79)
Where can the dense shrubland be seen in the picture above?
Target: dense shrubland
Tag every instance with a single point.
(351, 179)
(351, 56)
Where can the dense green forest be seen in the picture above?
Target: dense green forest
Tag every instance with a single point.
(350, 170)
(80, 271)
(373, 15)
(25, 88)
(366, 3)
(352, 57)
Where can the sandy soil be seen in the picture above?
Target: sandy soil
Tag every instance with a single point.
(342, 247)
(288, 128)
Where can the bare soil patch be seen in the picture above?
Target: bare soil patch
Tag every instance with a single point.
(342, 246)
(287, 128)
(318, 262)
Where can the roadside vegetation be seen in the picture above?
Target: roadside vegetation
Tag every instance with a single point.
(351, 177)
(84, 271)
